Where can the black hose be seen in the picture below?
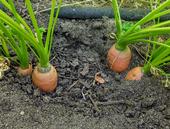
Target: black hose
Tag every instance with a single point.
(99, 12)
(127, 14)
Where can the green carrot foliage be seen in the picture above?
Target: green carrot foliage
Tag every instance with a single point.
(32, 38)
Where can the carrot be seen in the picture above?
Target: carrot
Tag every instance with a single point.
(119, 56)
(135, 74)
(45, 80)
(118, 60)
(25, 71)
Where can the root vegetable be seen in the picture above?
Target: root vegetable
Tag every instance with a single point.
(25, 71)
(135, 74)
(45, 80)
(118, 60)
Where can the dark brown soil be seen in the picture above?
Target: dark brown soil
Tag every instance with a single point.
(78, 53)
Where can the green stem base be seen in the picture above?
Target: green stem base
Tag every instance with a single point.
(120, 48)
(146, 68)
(44, 69)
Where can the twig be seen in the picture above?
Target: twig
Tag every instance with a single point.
(53, 58)
(94, 103)
(82, 92)
(140, 53)
(67, 77)
(71, 86)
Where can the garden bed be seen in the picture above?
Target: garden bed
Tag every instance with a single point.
(78, 53)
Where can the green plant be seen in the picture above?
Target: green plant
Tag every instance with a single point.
(153, 48)
(3, 47)
(127, 25)
(160, 57)
(23, 29)
(18, 45)
(34, 40)
(156, 57)
(120, 53)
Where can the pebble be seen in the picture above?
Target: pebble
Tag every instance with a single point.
(22, 113)
(85, 70)
(167, 127)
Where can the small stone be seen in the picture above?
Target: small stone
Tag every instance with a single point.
(22, 113)
(91, 59)
(85, 70)
(167, 127)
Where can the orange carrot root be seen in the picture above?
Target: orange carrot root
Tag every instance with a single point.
(119, 61)
(45, 81)
(25, 72)
(135, 74)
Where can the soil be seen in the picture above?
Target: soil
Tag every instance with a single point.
(78, 53)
